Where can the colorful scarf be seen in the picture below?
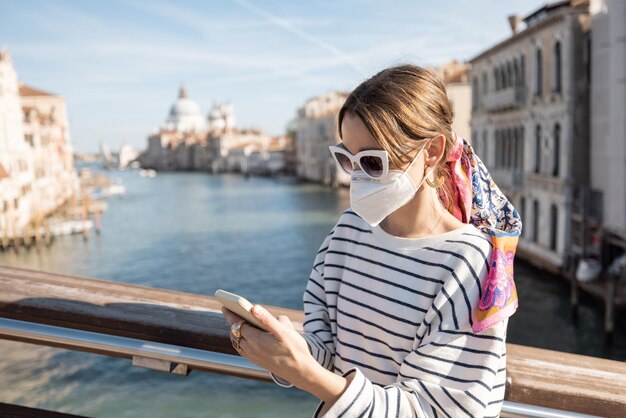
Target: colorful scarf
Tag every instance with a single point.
(477, 199)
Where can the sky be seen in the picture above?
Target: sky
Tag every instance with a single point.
(119, 64)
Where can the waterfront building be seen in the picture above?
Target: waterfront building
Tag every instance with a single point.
(169, 146)
(455, 76)
(233, 147)
(127, 155)
(315, 126)
(16, 162)
(37, 172)
(188, 141)
(316, 129)
(276, 158)
(530, 121)
(608, 129)
(221, 118)
(46, 131)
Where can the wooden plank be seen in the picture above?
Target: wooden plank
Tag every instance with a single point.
(17, 411)
(118, 309)
(572, 382)
(534, 376)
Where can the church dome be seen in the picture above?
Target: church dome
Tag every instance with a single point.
(185, 114)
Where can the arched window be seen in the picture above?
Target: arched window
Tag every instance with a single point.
(516, 74)
(538, 73)
(474, 93)
(509, 74)
(522, 71)
(556, 86)
(521, 145)
(514, 148)
(485, 83)
(496, 79)
(505, 76)
(538, 149)
(501, 139)
(557, 150)
(509, 148)
(536, 220)
(553, 226)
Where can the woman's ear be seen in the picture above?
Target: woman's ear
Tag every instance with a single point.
(435, 150)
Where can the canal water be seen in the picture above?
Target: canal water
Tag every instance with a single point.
(195, 232)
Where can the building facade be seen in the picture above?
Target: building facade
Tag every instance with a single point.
(608, 110)
(189, 141)
(169, 146)
(316, 129)
(37, 172)
(530, 124)
(455, 76)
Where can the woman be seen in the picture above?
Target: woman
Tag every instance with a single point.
(407, 305)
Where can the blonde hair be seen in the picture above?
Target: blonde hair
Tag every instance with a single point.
(402, 107)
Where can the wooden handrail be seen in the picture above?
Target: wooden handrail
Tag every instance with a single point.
(535, 376)
(18, 411)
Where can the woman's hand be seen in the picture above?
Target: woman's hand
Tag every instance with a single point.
(282, 350)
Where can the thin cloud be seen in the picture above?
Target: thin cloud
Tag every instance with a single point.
(289, 27)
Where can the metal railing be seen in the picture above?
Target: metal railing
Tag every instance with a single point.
(180, 360)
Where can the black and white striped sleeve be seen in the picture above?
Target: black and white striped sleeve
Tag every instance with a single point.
(316, 325)
(451, 376)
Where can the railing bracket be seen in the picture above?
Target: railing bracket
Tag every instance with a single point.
(179, 369)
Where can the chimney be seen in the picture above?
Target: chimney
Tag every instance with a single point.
(514, 21)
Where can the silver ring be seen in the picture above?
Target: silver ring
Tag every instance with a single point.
(235, 329)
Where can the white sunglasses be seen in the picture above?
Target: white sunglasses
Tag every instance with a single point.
(374, 163)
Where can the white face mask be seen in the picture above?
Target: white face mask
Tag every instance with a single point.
(375, 199)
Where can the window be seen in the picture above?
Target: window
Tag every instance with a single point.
(522, 141)
(509, 74)
(538, 73)
(522, 71)
(557, 150)
(509, 148)
(514, 145)
(496, 79)
(536, 220)
(538, 149)
(485, 83)
(474, 93)
(553, 226)
(505, 76)
(556, 86)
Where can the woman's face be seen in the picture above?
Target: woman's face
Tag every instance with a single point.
(357, 138)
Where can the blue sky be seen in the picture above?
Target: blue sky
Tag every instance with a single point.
(119, 63)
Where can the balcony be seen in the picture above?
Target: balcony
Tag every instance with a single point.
(509, 98)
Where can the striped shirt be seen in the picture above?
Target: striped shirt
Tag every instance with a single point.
(396, 313)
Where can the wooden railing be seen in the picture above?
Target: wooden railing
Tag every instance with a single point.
(195, 325)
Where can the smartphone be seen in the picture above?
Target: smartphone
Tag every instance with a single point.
(239, 305)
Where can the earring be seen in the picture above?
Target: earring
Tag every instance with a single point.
(435, 185)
